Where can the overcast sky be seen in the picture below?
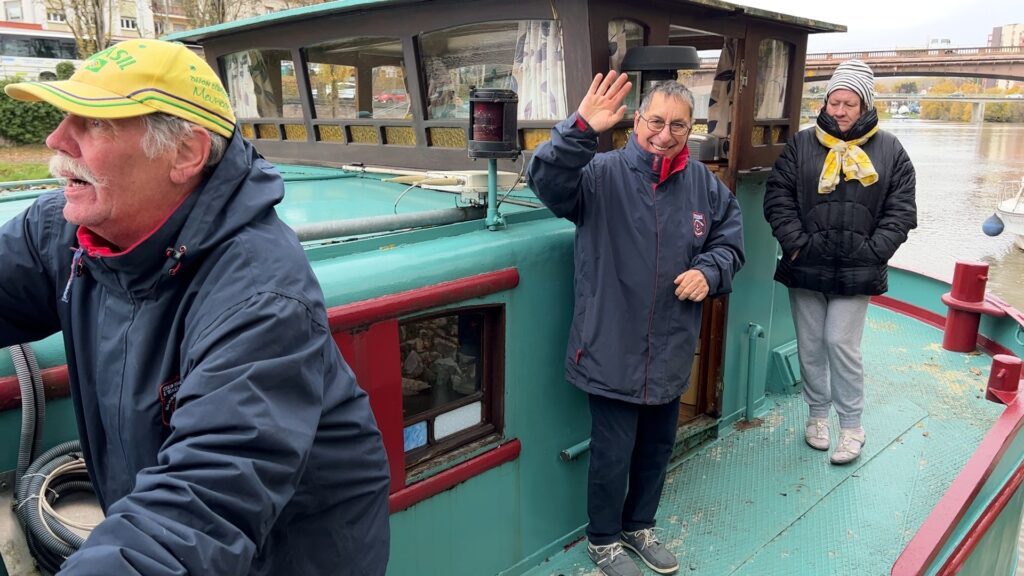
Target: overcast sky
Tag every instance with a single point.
(888, 24)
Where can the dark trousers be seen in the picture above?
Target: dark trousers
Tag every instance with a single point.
(630, 445)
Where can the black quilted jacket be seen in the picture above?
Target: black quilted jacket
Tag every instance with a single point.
(843, 240)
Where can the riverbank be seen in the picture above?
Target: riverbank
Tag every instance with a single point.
(24, 162)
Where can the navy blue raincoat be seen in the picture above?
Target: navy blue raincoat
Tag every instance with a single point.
(223, 431)
(640, 221)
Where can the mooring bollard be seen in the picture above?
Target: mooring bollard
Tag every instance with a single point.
(1003, 379)
(966, 304)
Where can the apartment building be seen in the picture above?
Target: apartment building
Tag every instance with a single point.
(35, 36)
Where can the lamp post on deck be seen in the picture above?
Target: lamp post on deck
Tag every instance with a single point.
(492, 135)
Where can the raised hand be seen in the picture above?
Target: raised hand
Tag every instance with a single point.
(602, 107)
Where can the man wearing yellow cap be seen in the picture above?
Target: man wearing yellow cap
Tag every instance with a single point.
(840, 201)
(222, 429)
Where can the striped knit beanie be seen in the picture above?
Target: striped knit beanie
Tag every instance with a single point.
(855, 76)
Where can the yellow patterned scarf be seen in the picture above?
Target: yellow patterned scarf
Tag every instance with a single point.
(855, 162)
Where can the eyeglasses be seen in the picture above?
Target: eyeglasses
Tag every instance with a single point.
(657, 125)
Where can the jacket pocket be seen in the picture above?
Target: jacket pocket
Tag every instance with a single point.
(864, 255)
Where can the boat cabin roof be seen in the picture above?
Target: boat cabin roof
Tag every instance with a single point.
(304, 12)
(388, 82)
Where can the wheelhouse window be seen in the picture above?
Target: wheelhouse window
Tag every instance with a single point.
(623, 35)
(261, 83)
(524, 56)
(449, 380)
(390, 95)
(358, 78)
(773, 58)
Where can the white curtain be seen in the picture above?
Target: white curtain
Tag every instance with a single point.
(249, 86)
(539, 71)
(722, 92)
(240, 85)
(772, 68)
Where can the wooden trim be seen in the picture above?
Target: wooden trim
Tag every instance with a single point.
(450, 478)
(366, 312)
(55, 382)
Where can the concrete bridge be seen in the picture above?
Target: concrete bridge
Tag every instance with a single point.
(956, 97)
(985, 62)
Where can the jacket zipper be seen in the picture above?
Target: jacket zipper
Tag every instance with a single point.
(654, 295)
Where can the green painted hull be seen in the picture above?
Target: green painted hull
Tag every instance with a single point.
(755, 495)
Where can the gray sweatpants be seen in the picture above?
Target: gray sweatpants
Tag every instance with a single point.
(828, 334)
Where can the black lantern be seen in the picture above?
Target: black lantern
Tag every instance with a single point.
(492, 123)
(659, 63)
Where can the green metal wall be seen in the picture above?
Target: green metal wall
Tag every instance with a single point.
(753, 302)
(536, 504)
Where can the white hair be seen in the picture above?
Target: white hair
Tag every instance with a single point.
(163, 132)
(670, 88)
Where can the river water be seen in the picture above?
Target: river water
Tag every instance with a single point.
(962, 173)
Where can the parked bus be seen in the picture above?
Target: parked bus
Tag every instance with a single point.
(34, 54)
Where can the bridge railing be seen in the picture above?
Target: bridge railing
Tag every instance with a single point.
(915, 53)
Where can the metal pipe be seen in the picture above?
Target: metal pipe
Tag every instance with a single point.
(754, 332)
(573, 452)
(381, 170)
(494, 219)
(56, 182)
(357, 226)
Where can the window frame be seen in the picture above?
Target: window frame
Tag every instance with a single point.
(366, 332)
(492, 347)
(453, 100)
(19, 16)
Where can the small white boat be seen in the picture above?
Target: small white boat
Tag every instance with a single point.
(1011, 212)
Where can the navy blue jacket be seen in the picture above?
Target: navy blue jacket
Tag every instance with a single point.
(223, 431)
(637, 228)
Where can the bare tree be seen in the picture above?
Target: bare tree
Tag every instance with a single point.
(209, 12)
(90, 22)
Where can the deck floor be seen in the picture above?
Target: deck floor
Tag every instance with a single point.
(759, 501)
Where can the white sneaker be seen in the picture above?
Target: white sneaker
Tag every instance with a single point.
(851, 440)
(816, 434)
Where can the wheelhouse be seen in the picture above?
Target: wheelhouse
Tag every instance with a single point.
(371, 83)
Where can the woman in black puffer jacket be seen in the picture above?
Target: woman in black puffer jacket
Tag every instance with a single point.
(840, 201)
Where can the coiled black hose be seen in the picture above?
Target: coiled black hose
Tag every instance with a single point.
(59, 471)
(33, 406)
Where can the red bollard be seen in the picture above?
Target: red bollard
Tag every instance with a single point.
(1003, 379)
(966, 305)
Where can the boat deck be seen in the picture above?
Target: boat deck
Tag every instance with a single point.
(759, 501)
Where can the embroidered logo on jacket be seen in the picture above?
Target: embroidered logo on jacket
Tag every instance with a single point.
(169, 399)
(699, 224)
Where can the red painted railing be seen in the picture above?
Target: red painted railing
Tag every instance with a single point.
(934, 533)
(922, 552)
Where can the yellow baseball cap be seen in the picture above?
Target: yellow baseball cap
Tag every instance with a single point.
(138, 77)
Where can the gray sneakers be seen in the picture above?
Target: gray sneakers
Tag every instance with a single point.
(650, 550)
(816, 433)
(613, 560)
(851, 440)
